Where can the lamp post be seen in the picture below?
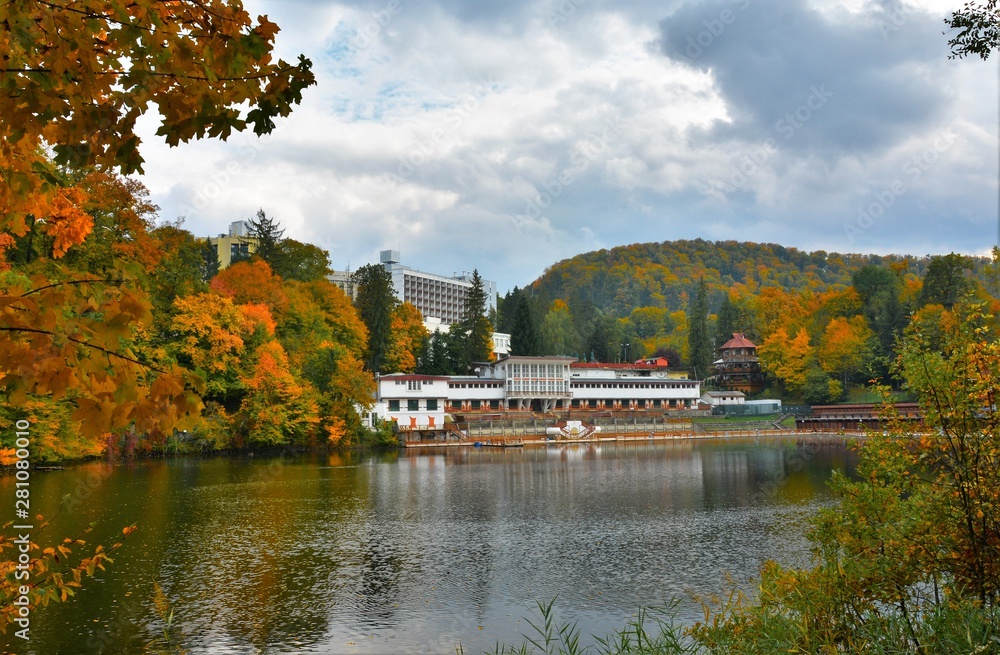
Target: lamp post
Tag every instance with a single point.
(625, 348)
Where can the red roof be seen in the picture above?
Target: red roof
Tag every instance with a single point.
(637, 366)
(739, 340)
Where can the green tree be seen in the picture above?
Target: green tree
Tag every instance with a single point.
(268, 235)
(603, 344)
(699, 346)
(209, 261)
(524, 338)
(945, 282)
(475, 327)
(558, 333)
(375, 301)
(301, 261)
(979, 29)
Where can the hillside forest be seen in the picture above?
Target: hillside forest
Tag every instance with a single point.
(824, 323)
(138, 343)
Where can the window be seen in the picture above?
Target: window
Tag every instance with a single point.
(413, 385)
(475, 404)
(494, 404)
(432, 404)
(412, 405)
(393, 405)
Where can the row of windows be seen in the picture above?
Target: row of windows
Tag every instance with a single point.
(537, 370)
(431, 405)
(414, 385)
(616, 385)
(475, 385)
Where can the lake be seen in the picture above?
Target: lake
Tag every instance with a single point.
(419, 551)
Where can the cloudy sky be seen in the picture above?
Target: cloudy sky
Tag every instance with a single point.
(506, 136)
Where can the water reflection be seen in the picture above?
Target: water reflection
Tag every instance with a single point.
(416, 551)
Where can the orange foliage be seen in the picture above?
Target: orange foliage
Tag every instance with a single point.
(408, 334)
(6, 243)
(256, 316)
(277, 409)
(251, 282)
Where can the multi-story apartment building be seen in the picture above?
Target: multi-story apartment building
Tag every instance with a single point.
(436, 296)
(236, 245)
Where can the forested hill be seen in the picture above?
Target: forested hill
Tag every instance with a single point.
(665, 274)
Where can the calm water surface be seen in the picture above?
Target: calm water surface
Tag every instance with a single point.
(417, 552)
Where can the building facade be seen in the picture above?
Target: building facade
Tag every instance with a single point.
(436, 296)
(532, 384)
(235, 246)
(738, 367)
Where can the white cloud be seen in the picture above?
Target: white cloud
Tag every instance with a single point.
(492, 137)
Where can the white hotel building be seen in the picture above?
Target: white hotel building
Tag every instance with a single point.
(534, 384)
(436, 296)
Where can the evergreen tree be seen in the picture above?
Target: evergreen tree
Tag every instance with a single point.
(506, 308)
(524, 338)
(210, 261)
(728, 321)
(602, 345)
(268, 234)
(699, 347)
(475, 327)
(376, 300)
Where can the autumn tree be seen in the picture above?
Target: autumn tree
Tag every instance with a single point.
(276, 408)
(408, 336)
(251, 282)
(787, 359)
(206, 68)
(178, 274)
(212, 335)
(338, 375)
(846, 347)
(76, 79)
(376, 300)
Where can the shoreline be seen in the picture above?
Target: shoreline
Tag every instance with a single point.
(541, 440)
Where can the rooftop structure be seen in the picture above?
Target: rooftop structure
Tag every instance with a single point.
(738, 367)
